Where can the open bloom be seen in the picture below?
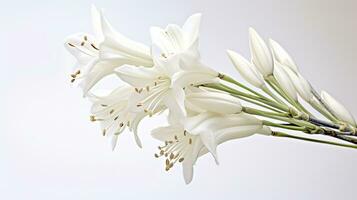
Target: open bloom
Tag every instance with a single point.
(100, 54)
(246, 69)
(176, 67)
(115, 112)
(200, 134)
(337, 108)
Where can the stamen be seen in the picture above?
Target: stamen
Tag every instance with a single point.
(85, 38)
(104, 132)
(82, 44)
(181, 159)
(94, 47)
(70, 44)
(121, 124)
(147, 88)
(111, 111)
(116, 118)
(190, 141)
(92, 118)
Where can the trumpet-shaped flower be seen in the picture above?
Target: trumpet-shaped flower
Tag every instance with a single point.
(337, 108)
(175, 68)
(97, 56)
(200, 134)
(116, 111)
(246, 69)
(261, 55)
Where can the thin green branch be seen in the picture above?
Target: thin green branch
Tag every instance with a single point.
(280, 134)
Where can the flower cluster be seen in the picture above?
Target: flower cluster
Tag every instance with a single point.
(204, 108)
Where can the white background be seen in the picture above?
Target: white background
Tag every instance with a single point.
(50, 150)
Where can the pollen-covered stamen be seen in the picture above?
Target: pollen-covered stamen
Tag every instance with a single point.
(74, 76)
(176, 149)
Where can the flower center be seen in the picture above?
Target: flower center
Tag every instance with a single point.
(155, 94)
(174, 150)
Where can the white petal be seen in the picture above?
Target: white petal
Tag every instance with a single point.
(137, 76)
(117, 46)
(81, 48)
(208, 121)
(166, 132)
(235, 132)
(261, 56)
(301, 85)
(97, 24)
(192, 28)
(99, 71)
(282, 56)
(284, 80)
(246, 69)
(114, 141)
(198, 76)
(175, 101)
(209, 141)
(187, 169)
(214, 102)
(337, 108)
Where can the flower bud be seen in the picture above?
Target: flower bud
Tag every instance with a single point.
(282, 56)
(261, 56)
(284, 80)
(301, 85)
(246, 69)
(337, 108)
(215, 102)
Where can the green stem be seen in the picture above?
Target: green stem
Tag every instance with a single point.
(265, 100)
(280, 134)
(295, 128)
(281, 118)
(231, 80)
(257, 103)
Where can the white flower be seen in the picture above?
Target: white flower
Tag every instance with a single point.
(281, 56)
(99, 55)
(284, 80)
(215, 102)
(174, 69)
(116, 111)
(337, 108)
(201, 134)
(261, 56)
(246, 69)
(302, 86)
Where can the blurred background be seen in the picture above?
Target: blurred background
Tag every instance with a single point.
(50, 150)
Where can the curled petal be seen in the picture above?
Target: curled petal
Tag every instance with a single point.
(137, 76)
(117, 46)
(191, 28)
